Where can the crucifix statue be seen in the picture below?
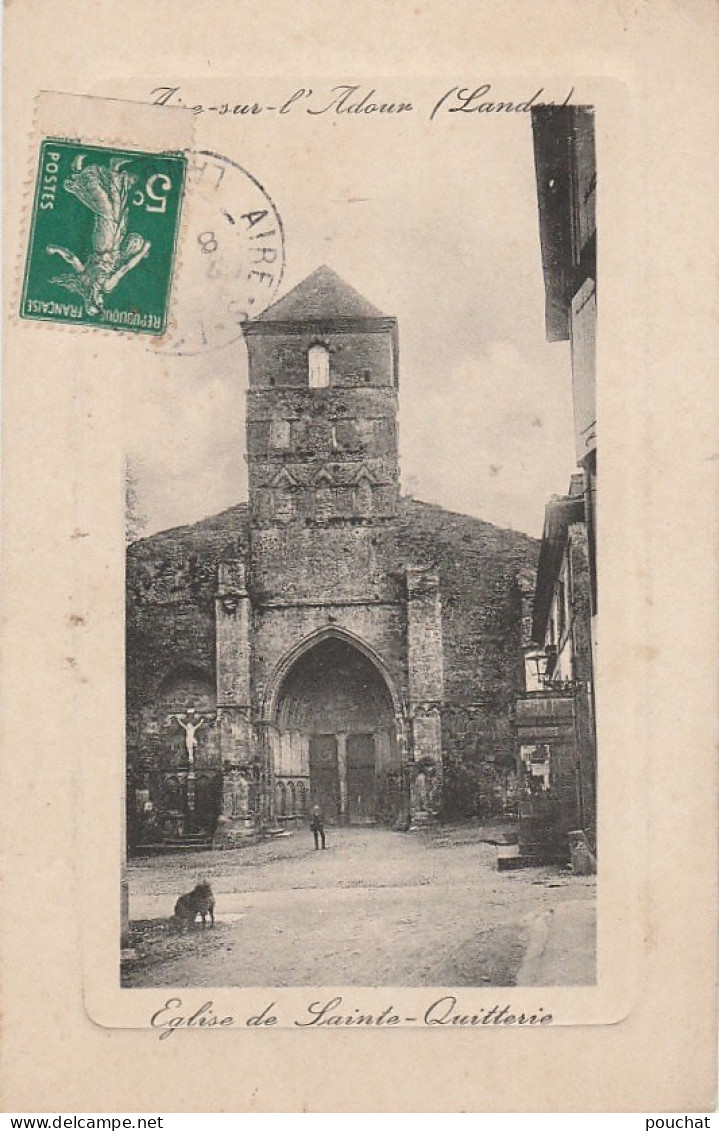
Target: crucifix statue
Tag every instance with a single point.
(190, 723)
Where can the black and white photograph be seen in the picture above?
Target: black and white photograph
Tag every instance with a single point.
(361, 580)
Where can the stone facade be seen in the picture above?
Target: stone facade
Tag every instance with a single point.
(346, 646)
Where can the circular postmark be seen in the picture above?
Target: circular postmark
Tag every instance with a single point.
(232, 256)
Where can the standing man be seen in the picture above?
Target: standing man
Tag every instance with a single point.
(317, 826)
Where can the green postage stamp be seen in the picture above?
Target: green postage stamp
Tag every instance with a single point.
(103, 237)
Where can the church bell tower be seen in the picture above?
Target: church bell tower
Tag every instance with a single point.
(321, 441)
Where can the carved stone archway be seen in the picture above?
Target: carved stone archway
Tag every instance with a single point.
(334, 725)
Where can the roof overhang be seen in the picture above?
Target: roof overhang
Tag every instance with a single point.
(554, 130)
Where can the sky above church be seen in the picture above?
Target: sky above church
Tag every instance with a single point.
(435, 223)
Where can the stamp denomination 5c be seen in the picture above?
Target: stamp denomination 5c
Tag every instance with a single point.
(103, 237)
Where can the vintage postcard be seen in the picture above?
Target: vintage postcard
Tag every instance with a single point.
(354, 730)
(360, 735)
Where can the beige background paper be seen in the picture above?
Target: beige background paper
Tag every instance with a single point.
(645, 1038)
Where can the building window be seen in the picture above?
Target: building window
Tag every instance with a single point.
(363, 498)
(280, 799)
(324, 502)
(319, 366)
(280, 435)
(301, 797)
(284, 503)
(345, 436)
(561, 611)
(299, 436)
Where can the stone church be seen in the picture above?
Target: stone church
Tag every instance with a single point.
(330, 641)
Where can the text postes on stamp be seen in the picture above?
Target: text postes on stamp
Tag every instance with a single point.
(233, 255)
(103, 236)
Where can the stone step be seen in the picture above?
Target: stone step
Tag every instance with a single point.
(533, 855)
(187, 838)
(175, 844)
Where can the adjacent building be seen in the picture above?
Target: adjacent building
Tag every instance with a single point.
(556, 716)
(566, 169)
(555, 719)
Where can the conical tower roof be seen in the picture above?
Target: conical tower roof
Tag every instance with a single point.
(322, 296)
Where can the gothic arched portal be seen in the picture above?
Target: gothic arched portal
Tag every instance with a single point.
(334, 727)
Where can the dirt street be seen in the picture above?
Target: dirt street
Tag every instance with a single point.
(376, 908)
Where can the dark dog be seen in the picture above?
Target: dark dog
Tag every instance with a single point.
(200, 901)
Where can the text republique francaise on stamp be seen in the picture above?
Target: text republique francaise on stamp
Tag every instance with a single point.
(103, 237)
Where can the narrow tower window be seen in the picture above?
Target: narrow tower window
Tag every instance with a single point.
(363, 498)
(280, 434)
(319, 363)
